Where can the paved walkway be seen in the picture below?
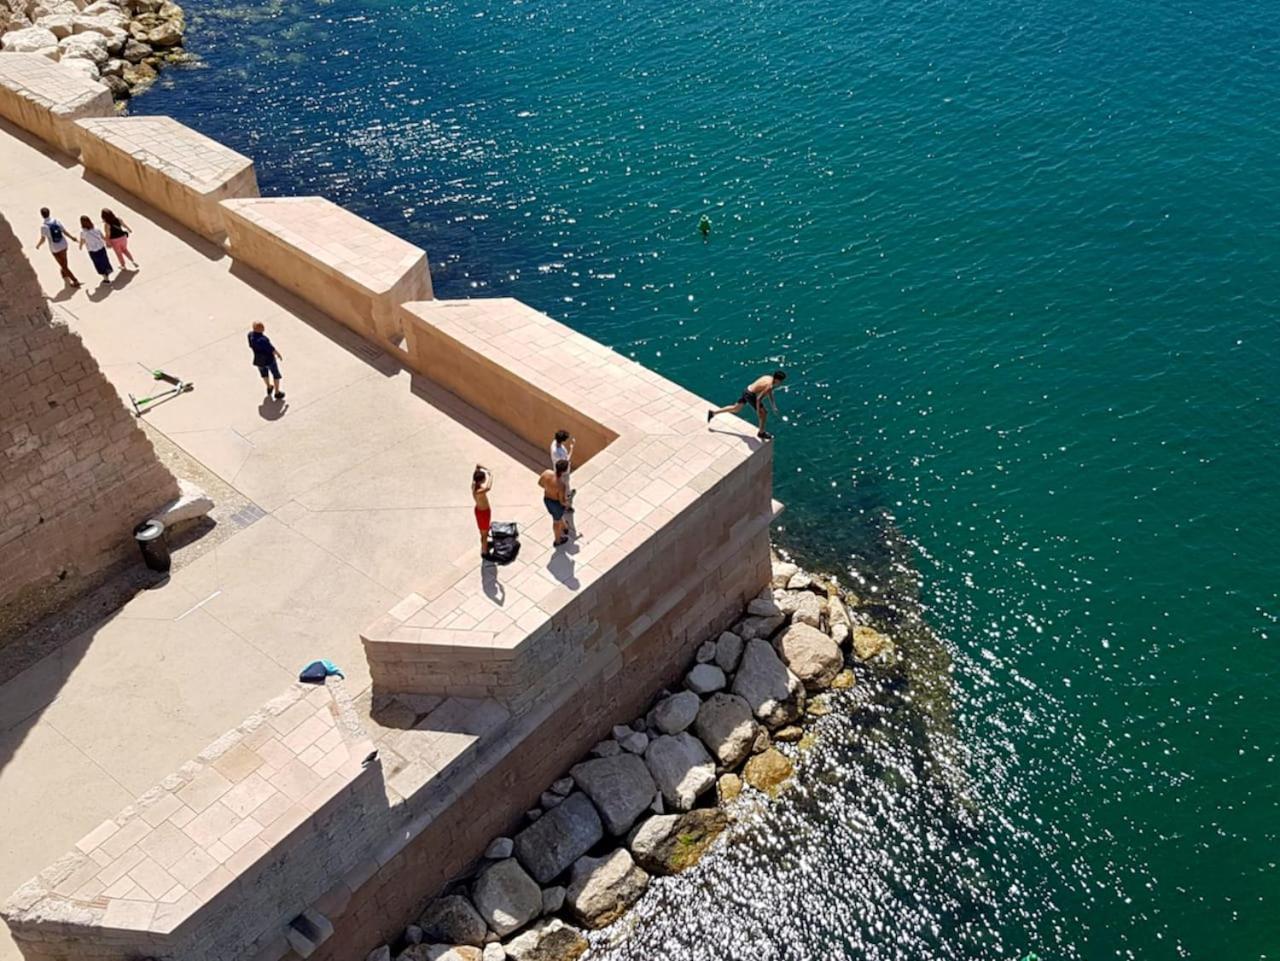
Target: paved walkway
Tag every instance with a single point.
(360, 481)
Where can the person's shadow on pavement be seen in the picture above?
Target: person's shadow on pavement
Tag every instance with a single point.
(271, 409)
(561, 567)
(493, 589)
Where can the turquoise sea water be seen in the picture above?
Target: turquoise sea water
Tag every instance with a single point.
(1020, 260)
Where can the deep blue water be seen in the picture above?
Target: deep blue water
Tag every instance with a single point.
(1021, 262)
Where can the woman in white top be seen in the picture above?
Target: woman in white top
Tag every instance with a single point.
(92, 239)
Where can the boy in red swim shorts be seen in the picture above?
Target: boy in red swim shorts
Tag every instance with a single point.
(481, 484)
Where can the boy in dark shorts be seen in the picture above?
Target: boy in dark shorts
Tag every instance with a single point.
(555, 498)
(481, 484)
(757, 393)
(265, 356)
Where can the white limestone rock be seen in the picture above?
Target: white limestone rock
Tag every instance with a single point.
(728, 652)
(413, 934)
(799, 582)
(440, 952)
(811, 655)
(381, 953)
(493, 952)
(620, 787)
(620, 731)
(549, 799)
(86, 67)
(775, 694)
(563, 786)
(764, 607)
(550, 940)
(804, 607)
(783, 571)
(28, 40)
(671, 843)
(506, 897)
(498, 849)
(59, 24)
(727, 727)
(681, 767)
(167, 34)
(706, 652)
(559, 838)
(191, 501)
(602, 889)
(84, 46)
(673, 714)
(452, 920)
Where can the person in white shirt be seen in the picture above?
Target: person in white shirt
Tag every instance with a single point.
(91, 238)
(562, 450)
(55, 235)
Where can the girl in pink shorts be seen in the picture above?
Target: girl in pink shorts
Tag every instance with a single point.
(117, 233)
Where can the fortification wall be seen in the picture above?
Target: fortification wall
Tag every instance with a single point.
(76, 472)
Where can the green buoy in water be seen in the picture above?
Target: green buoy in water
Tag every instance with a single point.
(704, 227)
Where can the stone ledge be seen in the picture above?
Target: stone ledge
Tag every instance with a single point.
(169, 165)
(46, 98)
(352, 270)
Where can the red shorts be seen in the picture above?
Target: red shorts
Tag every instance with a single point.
(482, 519)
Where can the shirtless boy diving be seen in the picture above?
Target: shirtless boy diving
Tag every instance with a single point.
(758, 392)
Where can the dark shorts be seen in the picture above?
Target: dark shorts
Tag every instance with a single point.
(554, 508)
(750, 399)
(270, 368)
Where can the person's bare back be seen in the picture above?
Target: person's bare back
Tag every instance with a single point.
(551, 486)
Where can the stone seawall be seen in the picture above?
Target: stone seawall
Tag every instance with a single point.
(286, 837)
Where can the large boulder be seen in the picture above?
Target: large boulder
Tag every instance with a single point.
(440, 952)
(550, 940)
(728, 652)
(28, 40)
(59, 24)
(621, 788)
(804, 607)
(673, 714)
(811, 655)
(135, 52)
(86, 68)
(783, 571)
(168, 34)
(869, 643)
(758, 627)
(559, 837)
(768, 771)
(671, 843)
(681, 767)
(452, 920)
(764, 682)
(602, 889)
(726, 726)
(84, 46)
(705, 678)
(506, 897)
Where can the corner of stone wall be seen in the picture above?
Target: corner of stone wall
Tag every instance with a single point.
(76, 472)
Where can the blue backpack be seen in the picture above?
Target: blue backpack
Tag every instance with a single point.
(55, 231)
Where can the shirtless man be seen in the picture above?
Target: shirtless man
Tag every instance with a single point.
(555, 497)
(759, 391)
(481, 484)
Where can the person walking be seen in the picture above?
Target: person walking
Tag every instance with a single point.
(265, 356)
(91, 237)
(55, 235)
(555, 495)
(481, 484)
(758, 392)
(117, 233)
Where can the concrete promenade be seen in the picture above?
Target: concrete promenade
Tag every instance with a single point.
(359, 481)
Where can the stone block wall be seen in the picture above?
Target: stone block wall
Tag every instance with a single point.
(510, 774)
(76, 471)
(46, 99)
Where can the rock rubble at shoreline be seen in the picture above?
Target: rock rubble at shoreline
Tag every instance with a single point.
(652, 798)
(122, 44)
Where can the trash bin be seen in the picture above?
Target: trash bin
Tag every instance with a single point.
(152, 543)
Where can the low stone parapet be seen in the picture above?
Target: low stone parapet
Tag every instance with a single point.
(47, 99)
(355, 272)
(675, 516)
(170, 166)
(216, 861)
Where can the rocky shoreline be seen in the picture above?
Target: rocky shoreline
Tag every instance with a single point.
(123, 44)
(652, 799)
